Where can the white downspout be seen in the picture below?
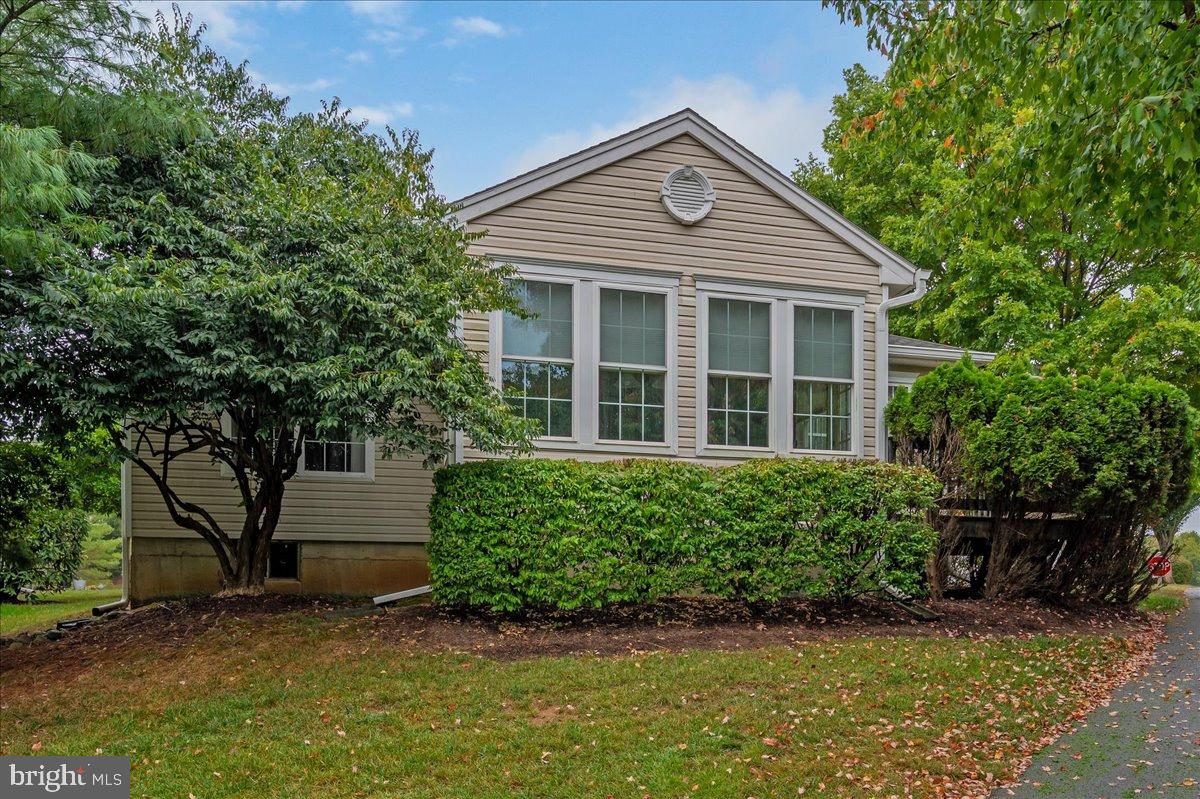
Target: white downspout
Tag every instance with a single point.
(882, 359)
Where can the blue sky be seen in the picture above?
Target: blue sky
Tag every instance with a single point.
(498, 88)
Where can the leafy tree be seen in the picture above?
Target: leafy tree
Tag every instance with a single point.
(40, 533)
(281, 277)
(1105, 97)
(1024, 267)
(100, 558)
(1187, 548)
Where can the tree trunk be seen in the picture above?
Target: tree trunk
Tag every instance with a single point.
(250, 554)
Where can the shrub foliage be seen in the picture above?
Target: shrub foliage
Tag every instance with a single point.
(524, 534)
(41, 536)
(1074, 472)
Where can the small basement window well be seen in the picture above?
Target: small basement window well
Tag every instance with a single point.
(688, 195)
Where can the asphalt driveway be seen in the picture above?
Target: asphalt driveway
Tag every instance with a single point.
(1146, 742)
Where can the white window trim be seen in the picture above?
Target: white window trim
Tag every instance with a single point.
(586, 282)
(670, 442)
(783, 303)
(366, 476)
(703, 448)
(856, 396)
(496, 355)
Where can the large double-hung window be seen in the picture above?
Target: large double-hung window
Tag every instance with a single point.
(823, 378)
(589, 358)
(781, 370)
(739, 373)
(538, 356)
(633, 365)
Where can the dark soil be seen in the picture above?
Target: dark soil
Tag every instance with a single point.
(676, 624)
(716, 624)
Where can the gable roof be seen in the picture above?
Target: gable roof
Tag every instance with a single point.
(894, 270)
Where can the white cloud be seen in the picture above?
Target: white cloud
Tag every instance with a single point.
(226, 26)
(780, 125)
(358, 57)
(474, 27)
(388, 21)
(381, 114)
(479, 26)
(288, 87)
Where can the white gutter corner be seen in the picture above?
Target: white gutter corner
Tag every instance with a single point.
(882, 359)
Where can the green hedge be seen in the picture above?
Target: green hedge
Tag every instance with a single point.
(1109, 456)
(41, 535)
(521, 534)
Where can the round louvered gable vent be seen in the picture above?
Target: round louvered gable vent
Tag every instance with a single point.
(687, 195)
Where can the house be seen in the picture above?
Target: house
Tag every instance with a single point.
(691, 302)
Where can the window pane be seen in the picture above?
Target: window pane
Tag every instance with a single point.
(824, 342)
(512, 378)
(631, 406)
(610, 385)
(538, 410)
(654, 383)
(559, 380)
(758, 429)
(716, 392)
(537, 379)
(631, 423)
(549, 332)
(335, 460)
(633, 327)
(655, 424)
(610, 421)
(631, 387)
(540, 392)
(718, 427)
(839, 433)
(739, 429)
(759, 395)
(739, 390)
(822, 415)
(739, 336)
(560, 418)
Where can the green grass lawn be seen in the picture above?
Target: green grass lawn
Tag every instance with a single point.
(301, 707)
(1169, 600)
(50, 608)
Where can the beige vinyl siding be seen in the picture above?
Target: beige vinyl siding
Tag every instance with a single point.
(613, 217)
(393, 508)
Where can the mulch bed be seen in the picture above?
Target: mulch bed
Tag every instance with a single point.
(677, 624)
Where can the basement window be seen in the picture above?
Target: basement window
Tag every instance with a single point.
(284, 562)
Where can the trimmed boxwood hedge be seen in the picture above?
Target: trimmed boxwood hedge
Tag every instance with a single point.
(536, 534)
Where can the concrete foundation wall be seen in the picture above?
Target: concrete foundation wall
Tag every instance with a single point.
(170, 567)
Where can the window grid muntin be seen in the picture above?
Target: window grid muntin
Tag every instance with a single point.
(820, 425)
(721, 421)
(552, 409)
(745, 414)
(721, 336)
(649, 414)
(560, 312)
(335, 456)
